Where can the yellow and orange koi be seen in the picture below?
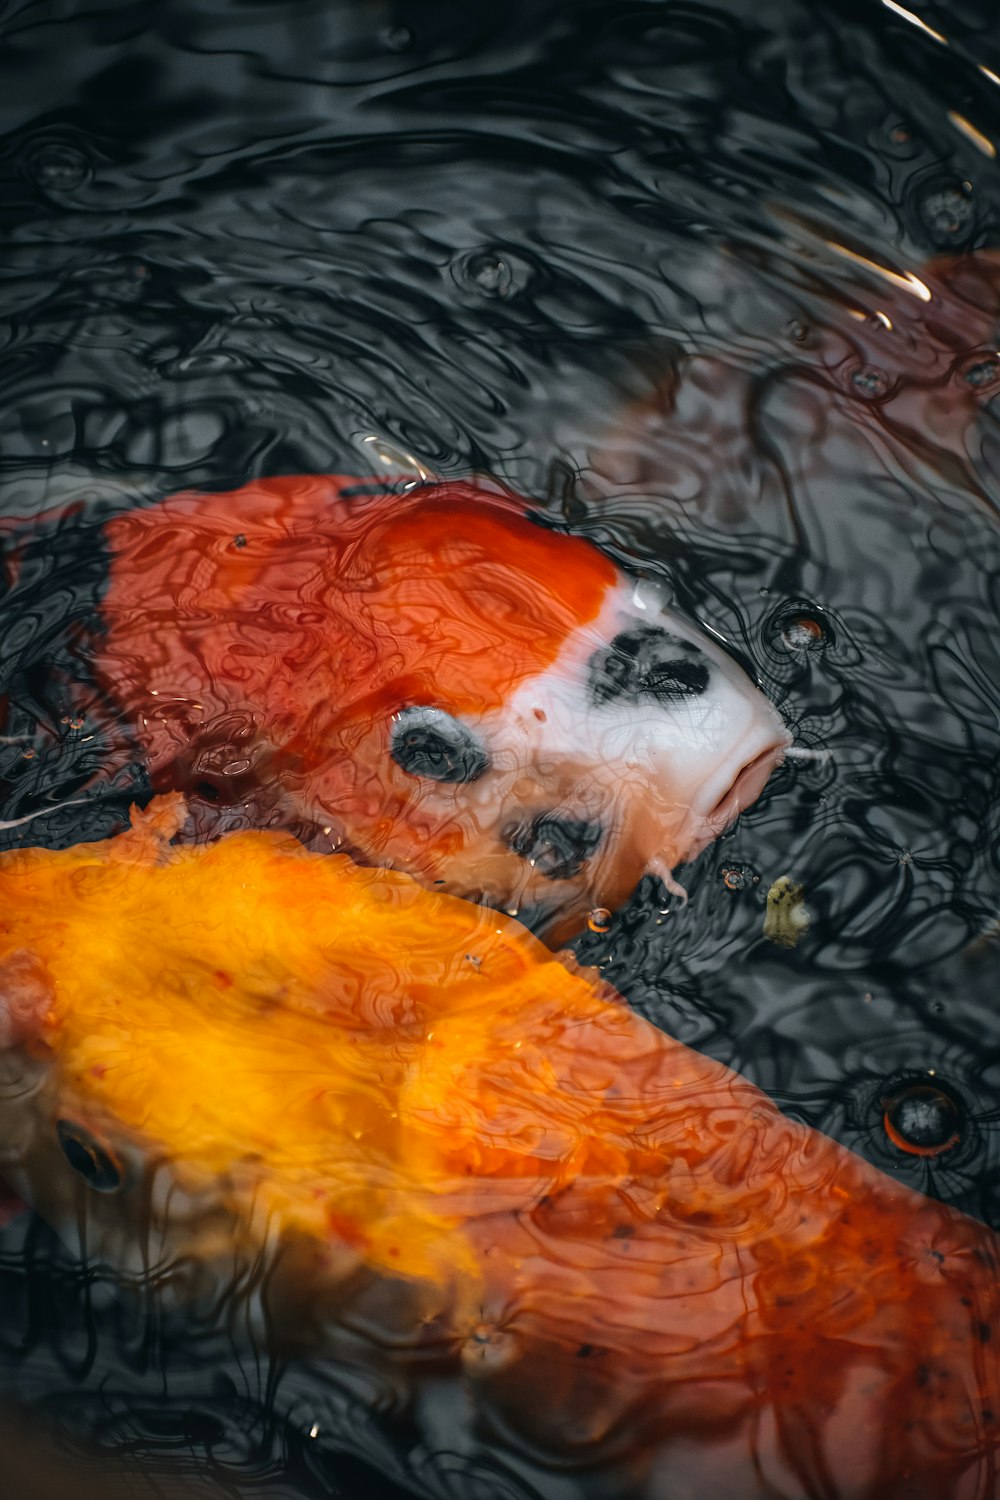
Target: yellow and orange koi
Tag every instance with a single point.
(430, 1150)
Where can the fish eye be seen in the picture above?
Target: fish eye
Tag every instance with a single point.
(557, 847)
(85, 1154)
(428, 742)
(647, 665)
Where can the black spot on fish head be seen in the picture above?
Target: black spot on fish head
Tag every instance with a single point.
(557, 847)
(647, 665)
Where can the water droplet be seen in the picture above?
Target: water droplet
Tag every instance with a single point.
(922, 1119)
(491, 274)
(391, 460)
(494, 273)
(802, 632)
(397, 38)
(946, 211)
(798, 331)
(982, 372)
(738, 877)
(599, 919)
(870, 382)
(56, 167)
(204, 362)
(487, 1349)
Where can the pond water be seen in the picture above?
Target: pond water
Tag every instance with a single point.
(662, 267)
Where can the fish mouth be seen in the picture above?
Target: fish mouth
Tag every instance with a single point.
(747, 787)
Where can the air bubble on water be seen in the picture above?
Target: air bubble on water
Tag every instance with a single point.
(57, 168)
(491, 274)
(982, 372)
(802, 632)
(494, 273)
(397, 38)
(870, 382)
(204, 362)
(946, 210)
(391, 459)
(487, 1349)
(922, 1119)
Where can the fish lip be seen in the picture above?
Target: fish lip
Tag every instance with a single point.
(747, 787)
(750, 781)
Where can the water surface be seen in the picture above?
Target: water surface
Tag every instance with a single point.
(615, 256)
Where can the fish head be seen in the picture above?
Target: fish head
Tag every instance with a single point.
(435, 681)
(541, 748)
(628, 754)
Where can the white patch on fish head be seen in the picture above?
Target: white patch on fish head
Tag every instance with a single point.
(634, 749)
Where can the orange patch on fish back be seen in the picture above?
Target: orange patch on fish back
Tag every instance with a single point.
(284, 585)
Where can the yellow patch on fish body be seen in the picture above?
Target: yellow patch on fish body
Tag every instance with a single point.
(279, 1027)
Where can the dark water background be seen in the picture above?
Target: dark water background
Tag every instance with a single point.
(240, 238)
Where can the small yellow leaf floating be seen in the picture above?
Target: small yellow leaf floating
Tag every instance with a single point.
(786, 916)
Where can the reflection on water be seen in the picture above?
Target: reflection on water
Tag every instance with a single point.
(664, 271)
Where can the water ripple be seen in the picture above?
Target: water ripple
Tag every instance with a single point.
(633, 261)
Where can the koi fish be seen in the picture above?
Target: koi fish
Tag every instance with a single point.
(431, 681)
(555, 1240)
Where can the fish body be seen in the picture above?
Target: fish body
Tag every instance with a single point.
(533, 1228)
(429, 680)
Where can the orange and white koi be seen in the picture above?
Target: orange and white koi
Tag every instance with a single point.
(432, 681)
